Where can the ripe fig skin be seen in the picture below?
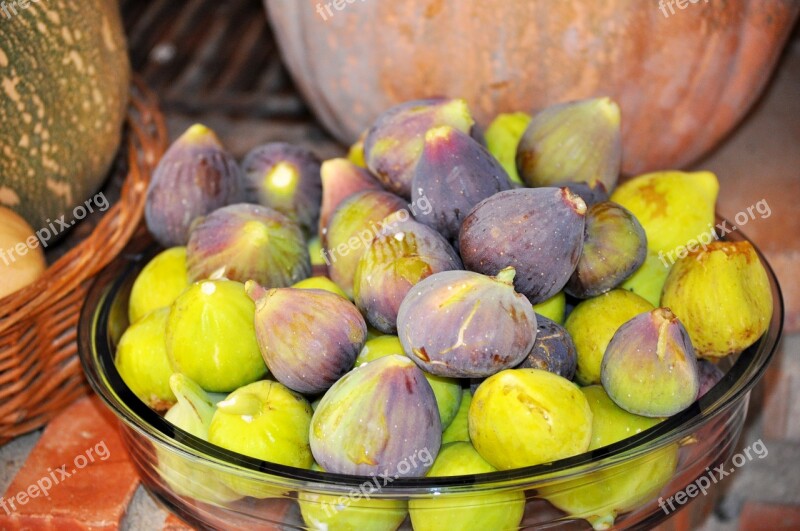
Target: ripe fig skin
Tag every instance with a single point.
(463, 324)
(592, 325)
(286, 178)
(649, 367)
(248, 242)
(194, 177)
(614, 247)
(309, 338)
(356, 222)
(341, 178)
(722, 296)
(590, 193)
(525, 417)
(376, 420)
(577, 141)
(553, 350)
(401, 256)
(537, 231)
(394, 143)
(454, 173)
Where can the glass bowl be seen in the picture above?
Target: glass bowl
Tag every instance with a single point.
(635, 480)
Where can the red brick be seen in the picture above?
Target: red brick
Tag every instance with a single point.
(94, 496)
(774, 517)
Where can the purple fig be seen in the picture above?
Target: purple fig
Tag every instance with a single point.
(466, 325)
(552, 351)
(194, 177)
(248, 242)
(341, 179)
(309, 338)
(537, 231)
(454, 173)
(394, 144)
(287, 178)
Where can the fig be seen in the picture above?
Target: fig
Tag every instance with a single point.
(192, 413)
(356, 511)
(614, 246)
(159, 283)
(578, 141)
(592, 325)
(248, 242)
(323, 283)
(315, 255)
(524, 417)
(553, 350)
(356, 152)
(394, 143)
(454, 173)
(308, 338)
(142, 360)
(194, 177)
(722, 296)
(603, 495)
(648, 280)
(502, 139)
(554, 308)
(340, 179)
(378, 419)
(266, 421)
(211, 336)
(465, 512)
(590, 193)
(538, 231)
(709, 375)
(649, 367)
(458, 430)
(351, 229)
(285, 178)
(398, 258)
(463, 324)
(446, 390)
(675, 208)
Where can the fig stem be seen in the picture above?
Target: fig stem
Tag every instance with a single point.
(506, 276)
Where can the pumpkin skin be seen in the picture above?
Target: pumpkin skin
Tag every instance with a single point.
(682, 81)
(64, 78)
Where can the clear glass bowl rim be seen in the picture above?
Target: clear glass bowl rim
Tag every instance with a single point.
(96, 357)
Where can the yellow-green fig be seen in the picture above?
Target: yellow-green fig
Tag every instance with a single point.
(356, 511)
(554, 308)
(323, 283)
(675, 208)
(502, 510)
(603, 495)
(159, 283)
(592, 325)
(142, 360)
(648, 280)
(524, 417)
(577, 141)
(502, 139)
(458, 430)
(722, 296)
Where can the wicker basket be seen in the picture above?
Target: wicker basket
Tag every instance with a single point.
(39, 371)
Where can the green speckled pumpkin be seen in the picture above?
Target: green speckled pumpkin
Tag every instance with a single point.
(64, 77)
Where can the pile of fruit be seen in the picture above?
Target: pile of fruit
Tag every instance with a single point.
(486, 305)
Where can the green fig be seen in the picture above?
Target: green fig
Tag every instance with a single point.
(211, 336)
(159, 283)
(648, 281)
(722, 296)
(502, 139)
(465, 512)
(323, 283)
(458, 430)
(142, 360)
(553, 308)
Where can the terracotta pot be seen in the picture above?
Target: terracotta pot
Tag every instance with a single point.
(683, 79)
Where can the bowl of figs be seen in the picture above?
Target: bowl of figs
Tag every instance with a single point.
(451, 327)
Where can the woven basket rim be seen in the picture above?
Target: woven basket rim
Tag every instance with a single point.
(143, 149)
